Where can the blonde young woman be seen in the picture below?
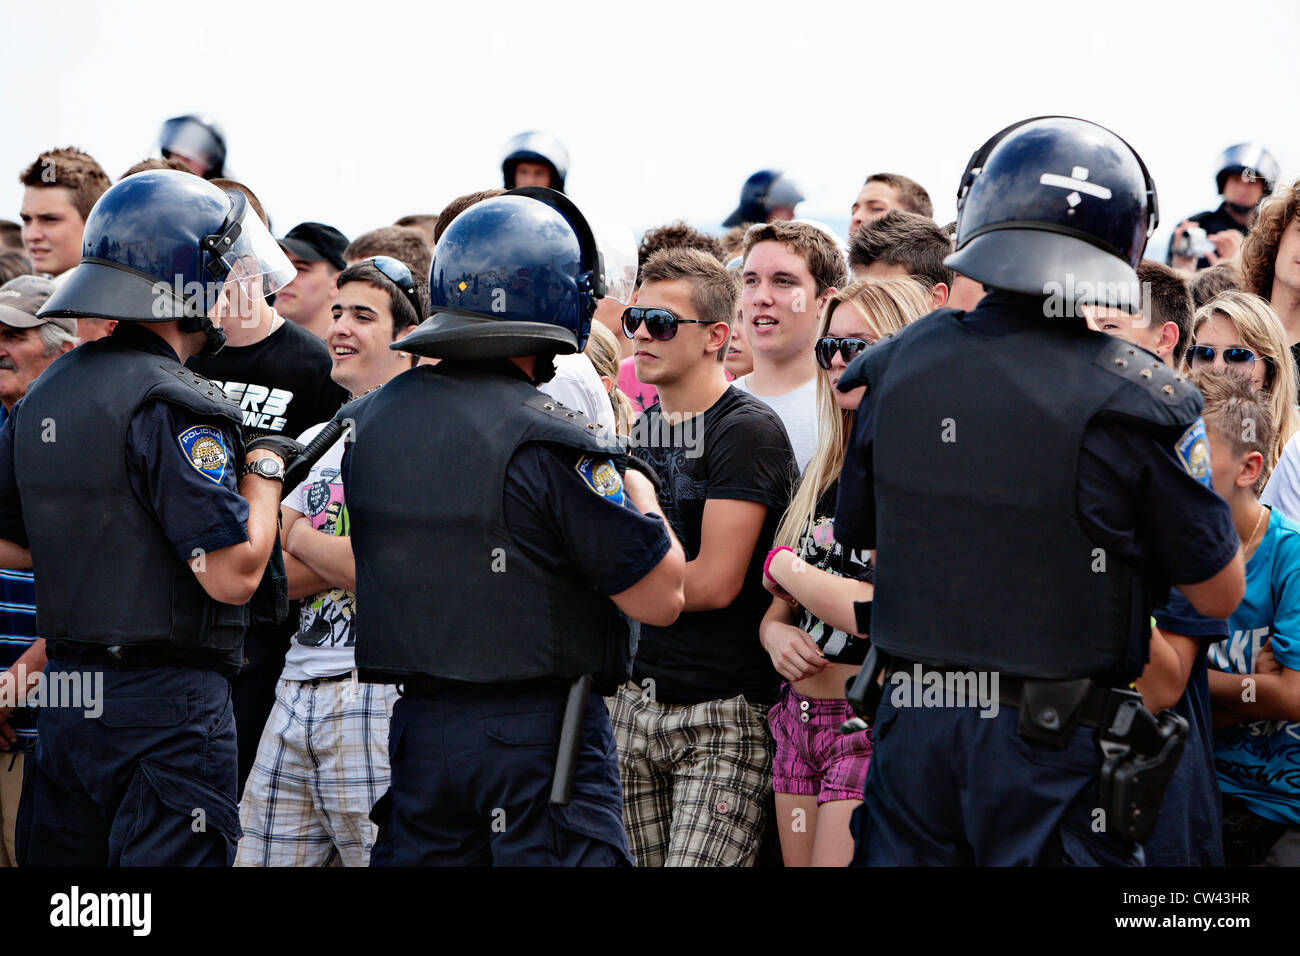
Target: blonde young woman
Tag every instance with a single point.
(809, 629)
(1242, 332)
(602, 351)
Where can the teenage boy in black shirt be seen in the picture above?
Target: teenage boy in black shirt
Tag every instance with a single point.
(695, 754)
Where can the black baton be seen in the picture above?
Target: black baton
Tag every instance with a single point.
(566, 759)
(296, 472)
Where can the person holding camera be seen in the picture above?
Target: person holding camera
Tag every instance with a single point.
(1247, 174)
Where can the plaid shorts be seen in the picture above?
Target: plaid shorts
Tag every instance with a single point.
(321, 765)
(696, 779)
(813, 759)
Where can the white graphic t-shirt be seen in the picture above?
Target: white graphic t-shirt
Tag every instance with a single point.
(323, 646)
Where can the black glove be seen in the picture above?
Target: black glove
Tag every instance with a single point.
(286, 448)
(636, 464)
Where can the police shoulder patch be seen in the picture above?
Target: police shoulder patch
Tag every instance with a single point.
(600, 475)
(205, 450)
(1194, 452)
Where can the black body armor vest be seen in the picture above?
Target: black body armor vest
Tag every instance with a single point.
(105, 571)
(442, 589)
(981, 559)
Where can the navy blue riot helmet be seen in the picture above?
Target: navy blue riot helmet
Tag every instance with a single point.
(536, 147)
(197, 140)
(1251, 160)
(1056, 205)
(163, 245)
(512, 276)
(764, 191)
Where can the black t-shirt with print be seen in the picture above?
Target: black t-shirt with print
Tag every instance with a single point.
(737, 449)
(817, 546)
(283, 387)
(282, 383)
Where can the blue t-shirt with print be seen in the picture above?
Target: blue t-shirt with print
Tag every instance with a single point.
(1259, 761)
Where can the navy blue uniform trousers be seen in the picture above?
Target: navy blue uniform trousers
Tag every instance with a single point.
(149, 781)
(471, 779)
(947, 787)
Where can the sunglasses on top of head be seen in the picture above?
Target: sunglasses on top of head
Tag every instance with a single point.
(396, 272)
(828, 345)
(659, 323)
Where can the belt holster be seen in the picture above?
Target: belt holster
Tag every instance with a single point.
(1050, 709)
(863, 690)
(1140, 753)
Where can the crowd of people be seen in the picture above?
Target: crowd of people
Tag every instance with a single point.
(716, 359)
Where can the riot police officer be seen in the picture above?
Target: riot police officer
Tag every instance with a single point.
(768, 194)
(535, 158)
(121, 471)
(1247, 173)
(1030, 487)
(496, 540)
(197, 142)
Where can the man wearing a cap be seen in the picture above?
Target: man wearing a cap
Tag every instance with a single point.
(316, 251)
(27, 346)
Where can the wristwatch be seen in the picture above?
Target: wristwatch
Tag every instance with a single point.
(265, 468)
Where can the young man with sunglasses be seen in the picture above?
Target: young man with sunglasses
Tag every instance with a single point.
(790, 270)
(694, 752)
(322, 761)
(279, 374)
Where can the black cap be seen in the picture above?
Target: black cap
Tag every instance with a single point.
(315, 241)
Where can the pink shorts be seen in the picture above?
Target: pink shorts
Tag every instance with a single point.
(813, 759)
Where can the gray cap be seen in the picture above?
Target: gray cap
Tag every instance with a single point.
(22, 298)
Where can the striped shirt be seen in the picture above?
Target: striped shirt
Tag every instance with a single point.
(17, 634)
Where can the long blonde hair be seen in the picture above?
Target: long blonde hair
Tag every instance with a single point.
(887, 305)
(602, 351)
(1261, 331)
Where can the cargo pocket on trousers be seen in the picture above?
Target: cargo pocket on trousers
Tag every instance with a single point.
(168, 818)
(729, 809)
(381, 815)
(589, 834)
(524, 730)
(144, 711)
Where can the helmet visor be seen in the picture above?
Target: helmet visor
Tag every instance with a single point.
(248, 262)
(618, 251)
(249, 255)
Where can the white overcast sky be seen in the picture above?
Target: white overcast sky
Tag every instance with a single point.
(357, 113)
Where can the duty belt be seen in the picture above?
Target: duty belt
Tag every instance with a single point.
(126, 655)
(1049, 709)
(1139, 750)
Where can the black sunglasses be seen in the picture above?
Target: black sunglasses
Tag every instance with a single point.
(396, 272)
(1204, 355)
(660, 323)
(828, 345)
